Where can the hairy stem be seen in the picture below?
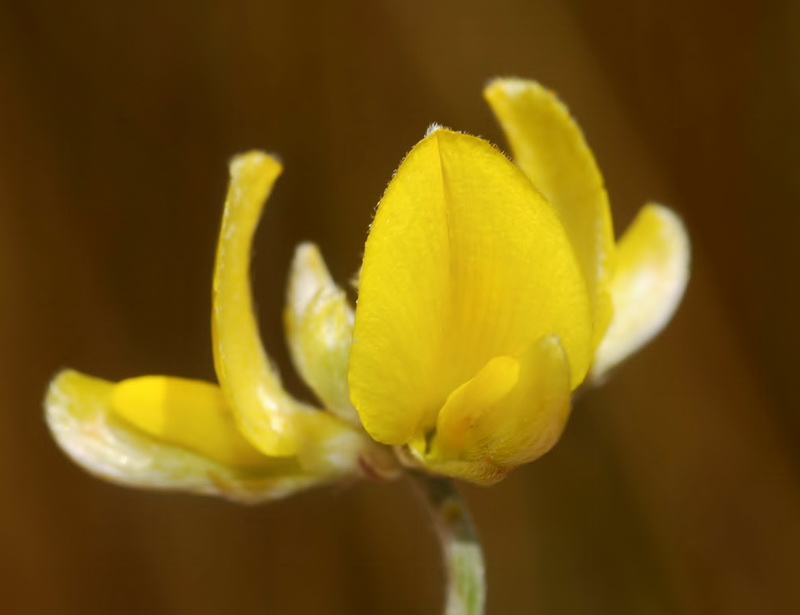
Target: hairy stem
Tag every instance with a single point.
(463, 557)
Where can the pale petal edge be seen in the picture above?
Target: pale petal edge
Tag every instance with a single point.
(78, 415)
(653, 261)
(319, 329)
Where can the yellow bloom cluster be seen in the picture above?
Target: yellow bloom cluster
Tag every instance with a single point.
(489, 292)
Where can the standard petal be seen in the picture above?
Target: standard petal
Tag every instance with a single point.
(651, 275)
(319, 329)
(264, 411)
(548, 145)
(80, 415)
(465, 261)
(511, 413)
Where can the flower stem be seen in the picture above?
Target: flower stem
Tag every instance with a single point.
(463, 557)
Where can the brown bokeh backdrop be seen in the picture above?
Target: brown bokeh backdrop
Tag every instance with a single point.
(675, 489)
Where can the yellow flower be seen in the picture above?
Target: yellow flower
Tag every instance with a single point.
(246, 439)
(489, 291)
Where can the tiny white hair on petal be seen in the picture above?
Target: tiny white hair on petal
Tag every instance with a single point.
(433, 128)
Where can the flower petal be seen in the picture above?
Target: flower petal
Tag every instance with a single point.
(264, 411)
(80, 415)
(319, 329)
(548, 145)
(511, 413)
(465, 261)
(648, 284)
(188, 413)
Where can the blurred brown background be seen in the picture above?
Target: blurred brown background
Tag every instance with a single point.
(675, 489)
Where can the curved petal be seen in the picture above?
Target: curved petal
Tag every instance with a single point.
(264, 411)
(464, 262)
(511, 413)
(648, 284)
(319, 329)
(80, 415)
(273, 421)
(548, 145)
